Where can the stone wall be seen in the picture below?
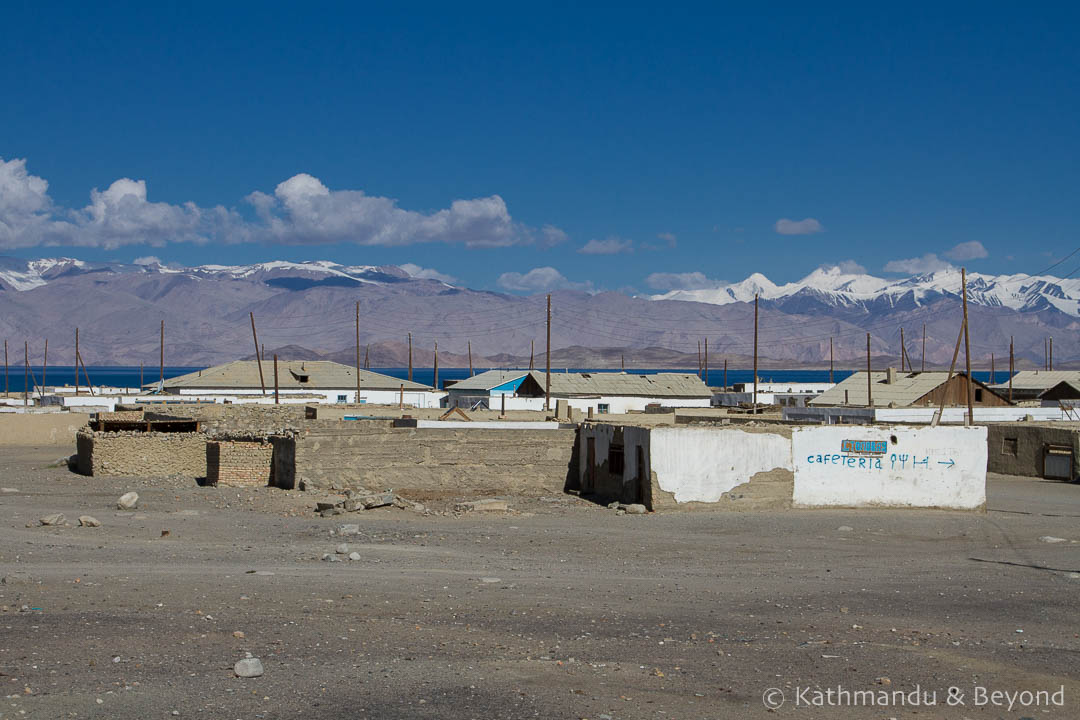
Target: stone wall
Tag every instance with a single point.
(1018, 448)
(36, 429)
(426, 462)
(239, 464)
(141, 454)
(219, 419)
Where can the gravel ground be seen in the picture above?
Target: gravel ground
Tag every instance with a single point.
(559, 609)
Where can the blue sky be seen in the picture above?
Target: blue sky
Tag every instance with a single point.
(494, 139)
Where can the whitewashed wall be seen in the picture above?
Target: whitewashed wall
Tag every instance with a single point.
(956, 415)
(699, 464)
(921, 467)
(617, 404)
(413, 398)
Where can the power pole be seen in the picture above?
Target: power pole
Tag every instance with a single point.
(76, 359)
(547, 378)
(903, 350)
(471, 373)
(869, 382)
(410, 357)
(923, 369)
(532, 352)
(991, 368)
(357, 358)
(262, 383)
(830, 362)
(6, 371)
(967, 352)
(1051, 353)
(367, 349)
(1046, 356)
(162, 378)
(706, 362)
(277, 399)
(140, 376)
(725, 373)
(1010, 367)
(436, 384)
(26, 372)
(952, 366)
(755, 351)
(699, 358)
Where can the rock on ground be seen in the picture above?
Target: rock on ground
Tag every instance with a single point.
(89, 521)
(53, 519)
(128, 501)
(248, 668)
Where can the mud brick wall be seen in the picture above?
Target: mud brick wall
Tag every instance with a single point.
(221, 420)
(141, 454)
(425, 462)
(121, 416)
(239, 464)
(1018, 448)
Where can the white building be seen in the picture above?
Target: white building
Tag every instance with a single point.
(603, 392)
(298, 381)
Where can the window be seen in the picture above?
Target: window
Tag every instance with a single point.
(978, 394)
(343, 398)
(615, 460)
(603, 408)
(1008, 446)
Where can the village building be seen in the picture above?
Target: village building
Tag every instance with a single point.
(1030, 384)
(890, 388)
(601, 392)
(298, 381)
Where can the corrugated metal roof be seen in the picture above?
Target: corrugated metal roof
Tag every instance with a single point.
(681, 385)
(1039, 379)
(907, 388)
(320, 374)
(489, 379)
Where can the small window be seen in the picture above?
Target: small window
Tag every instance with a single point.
(603, 408)
(978, 394)
(1008, 446)
(343, 398)
(616, 460)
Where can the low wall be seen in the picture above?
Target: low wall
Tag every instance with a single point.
(425, 462)
(942, 467)
(1019, 449)
(41, 429)
(141, 454)
(239, 464)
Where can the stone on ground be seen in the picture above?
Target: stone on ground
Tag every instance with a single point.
(53, 519)
(128, 501)
(248, 668)
(89, 521)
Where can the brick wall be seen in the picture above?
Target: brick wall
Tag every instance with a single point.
(425, 462)
(239, 464)
(141, 454)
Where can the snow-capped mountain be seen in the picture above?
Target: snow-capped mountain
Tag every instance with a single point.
(835, 288)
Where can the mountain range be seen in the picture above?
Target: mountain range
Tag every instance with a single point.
(309, 309)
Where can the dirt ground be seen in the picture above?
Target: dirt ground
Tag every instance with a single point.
(560, 609)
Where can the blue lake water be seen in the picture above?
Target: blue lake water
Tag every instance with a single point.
(128, 377)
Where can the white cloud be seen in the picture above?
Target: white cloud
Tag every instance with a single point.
(971, 250)
(809, 226)
(301, 210)
(539, 279)
(427, 273)
(610, 246)
(848, 267)
(669, 241)
(669, 238)
(918, 265)
(147, 260)
(681, 281)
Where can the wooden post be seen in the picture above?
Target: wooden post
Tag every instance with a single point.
(923, 366)
(436, 384)
(140, 377)
(1010, 367)
(725, 374)
(699, 358)
(78, 362)
(952, 366)
(547, 377)
(410, 357)
(6, 370)
(503, 413)
(903, 351)
(967, 352)
(991, 368)
(358, 358)
(76, 359)
(161, 378)
(471, 373)
(26, 371)
(44, 367)
(706, 358)
(755, 351)
(869, 381)
(277, 399)
(532, 352)
(262, 350)
(401, 397)
(830, 362)
(1046, 356)
(262, 383)
(367, 349)
(1051, 368)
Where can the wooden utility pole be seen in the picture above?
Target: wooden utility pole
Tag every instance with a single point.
(967, 352)
(367, 349)
(26, 371)
(903, 350)
(471, 373)
(991, 368)
(6, 370)
(410, 357)
(706, 362)
(140, 376)
(76, 359)
(830, 362)
(923, 366)
(262, 350)
(1046, 356)
(277, 399)
(725, 374)
(401, 397)
(622, 361)
(1010, 367)
(699, 358)
(755, 351)
(869, 381)
(952, 366)
(1051, 353)
(436, 383)
(262, 383)
(547, 377)
(357, 358)
(532, 352)
(44, 367)
(161, 378)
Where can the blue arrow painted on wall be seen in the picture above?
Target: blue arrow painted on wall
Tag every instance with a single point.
(950, 463)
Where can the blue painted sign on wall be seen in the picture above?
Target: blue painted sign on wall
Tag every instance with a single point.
(864, 447)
